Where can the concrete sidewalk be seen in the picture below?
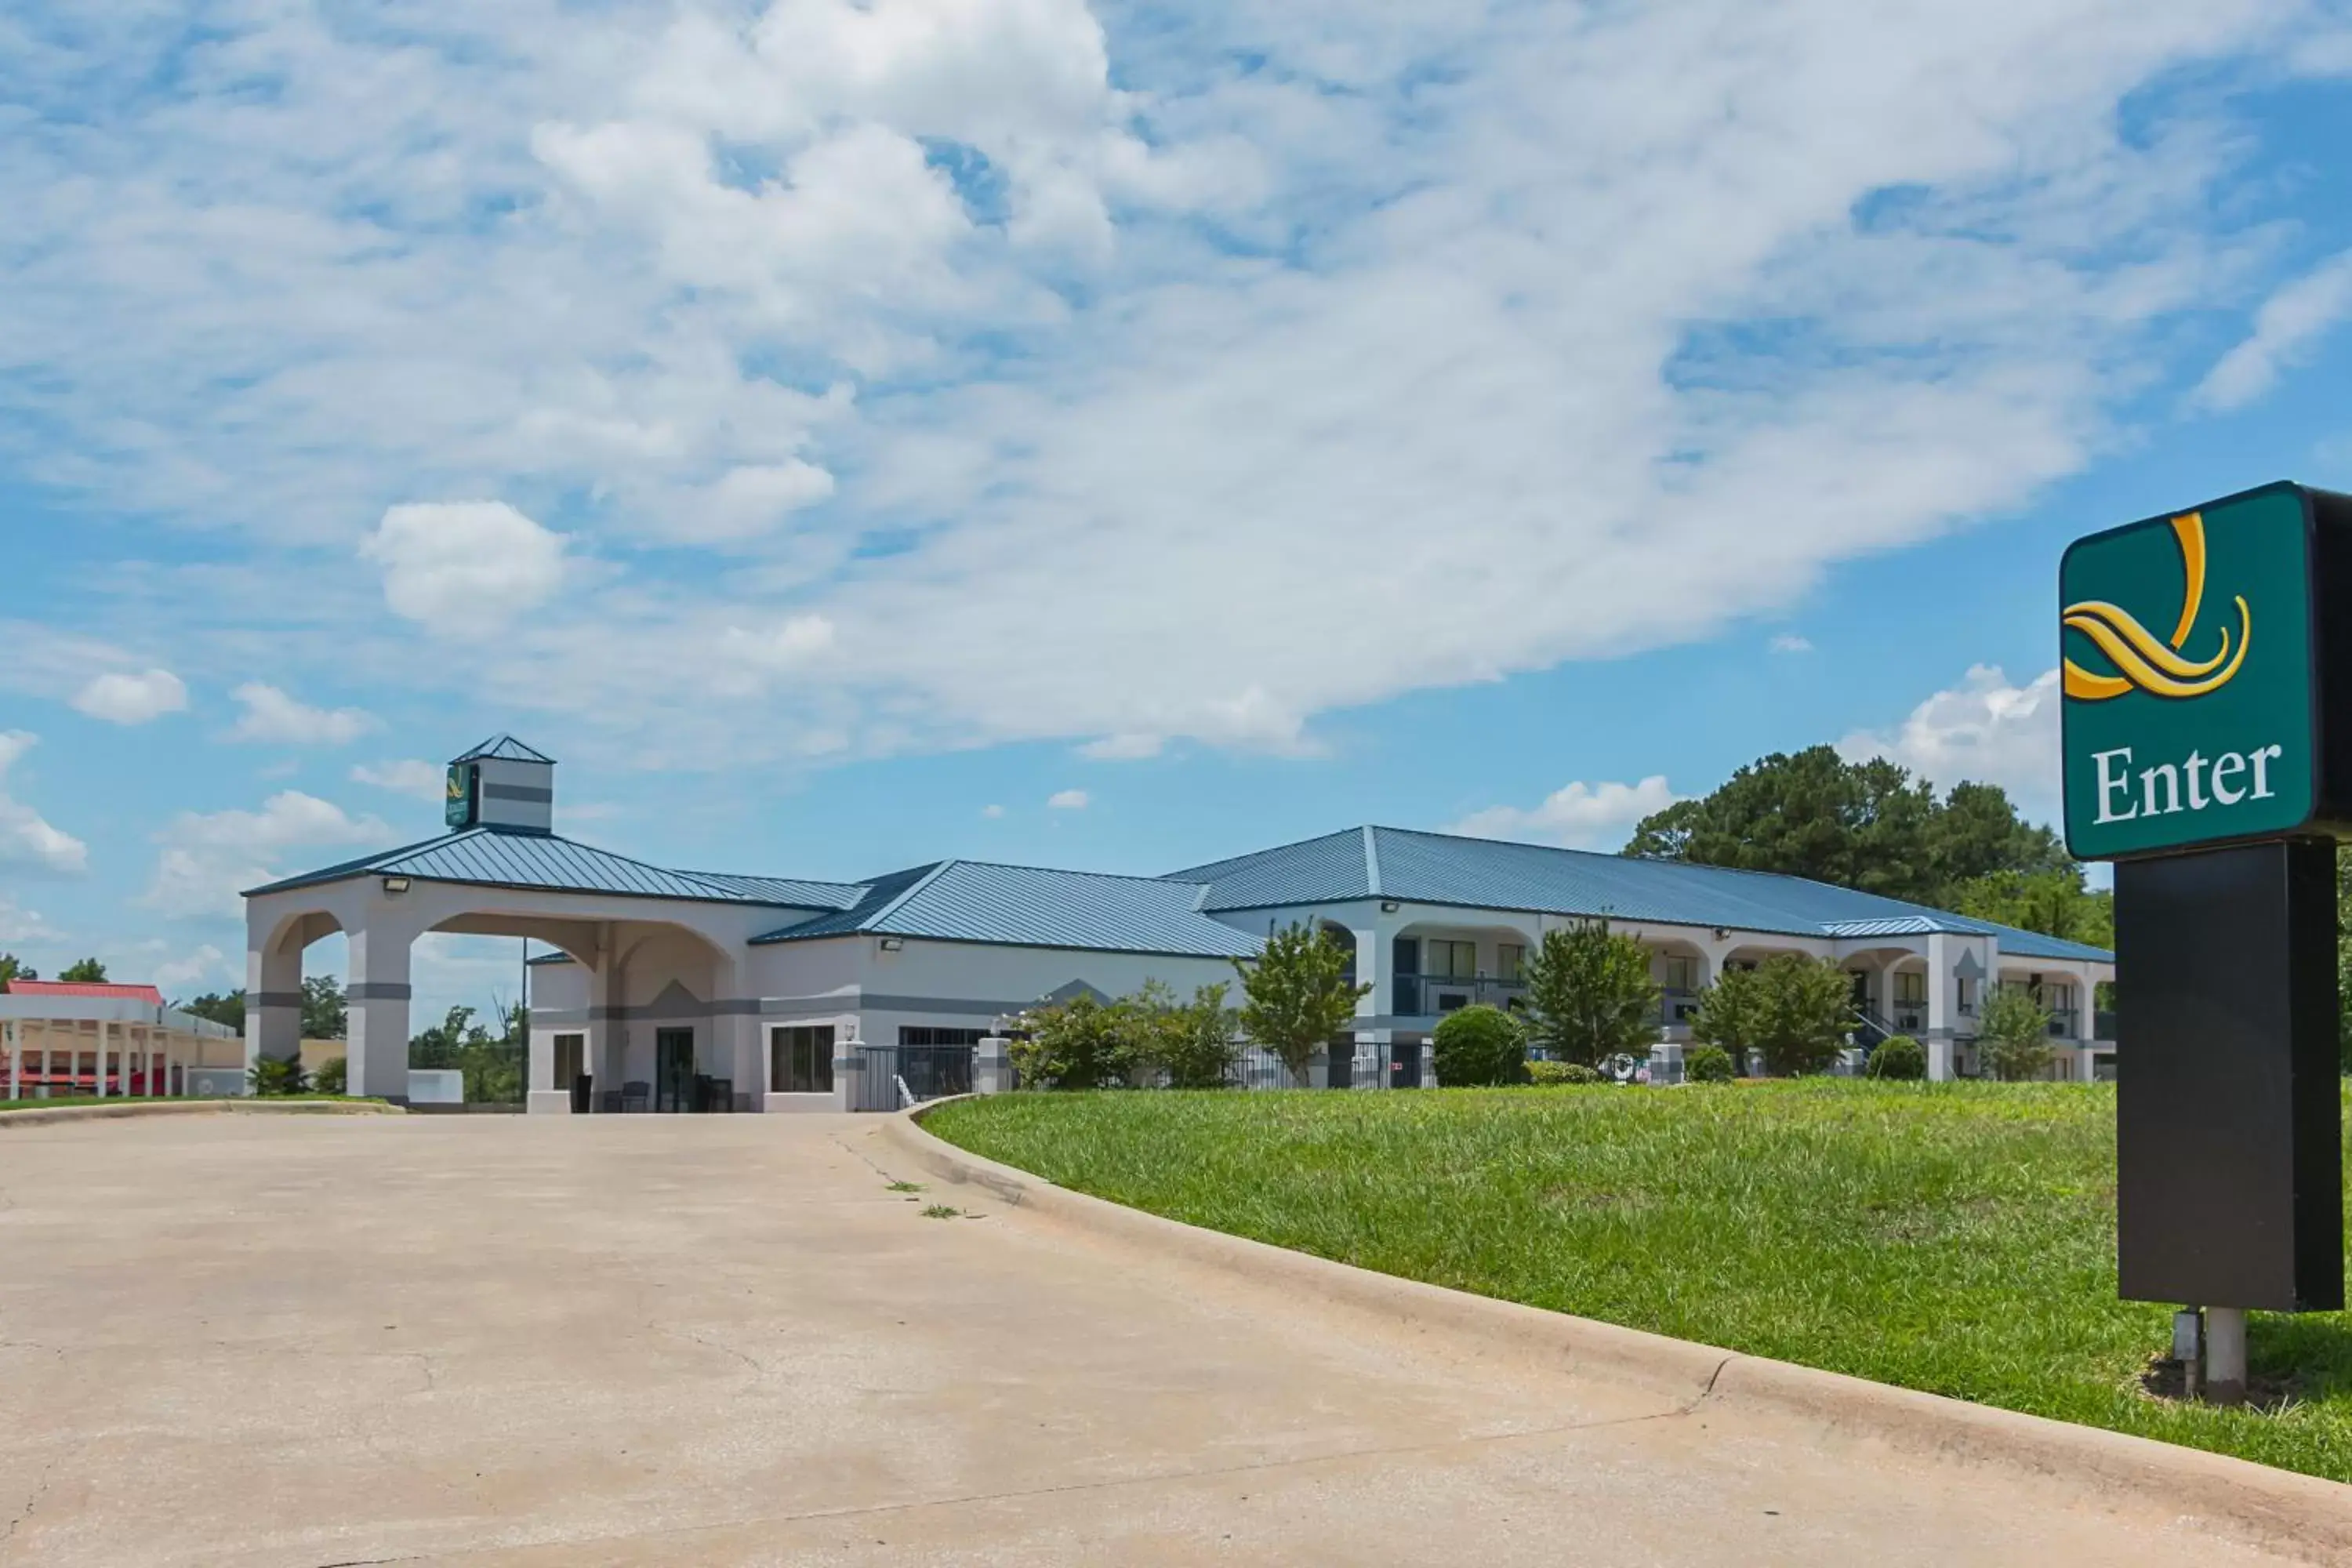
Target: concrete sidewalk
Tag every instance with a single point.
(649, 1339)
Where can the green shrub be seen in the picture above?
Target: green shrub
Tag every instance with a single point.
(1708, 1064)
(331, 1076)
(1480, 1045)
(1551, 1073)
(1078, 1044)
(277, 1075)
(1899, 1056)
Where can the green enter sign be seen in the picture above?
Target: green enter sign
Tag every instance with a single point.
(2188, 714)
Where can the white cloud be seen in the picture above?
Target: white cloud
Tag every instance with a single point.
(1067, 800)
(273, 717)
(1983, 731)
(207, 858)
(1122, 748)
(2288, 327)
(418, 780)
(178, 977)
(992, 812)
(1788, 642)
(120, 698)
(27, 839)
(1578, 814)
(20, 924)
(998, 342)
(452, 565)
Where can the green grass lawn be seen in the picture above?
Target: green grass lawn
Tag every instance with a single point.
(1954, 1237)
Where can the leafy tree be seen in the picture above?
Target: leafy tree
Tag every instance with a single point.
(2053, 902)
(1899, 1056)
(324, 1015)
(14, 968)
(1297, 996)
(1480, 1045)
(2015, 1033)
(225, 1009)
(84, 972)
(492, 1064)
(1078, 1044)
(1866, 824)
(1590, 994)
(1791, 1008)
(1193, 1042)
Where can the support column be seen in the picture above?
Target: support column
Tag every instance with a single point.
(607, 1061)
(1940, 985)
(735, 1034)
(378, 994)
(1370, 1068)
(992, 1065)
(273, 1002)
(99, 1083)
(15, 1060)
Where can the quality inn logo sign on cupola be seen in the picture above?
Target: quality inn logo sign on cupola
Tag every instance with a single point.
(2182, 726)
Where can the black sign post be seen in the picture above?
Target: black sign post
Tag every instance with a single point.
(2208, 740)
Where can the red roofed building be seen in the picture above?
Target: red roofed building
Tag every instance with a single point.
(64, 1037)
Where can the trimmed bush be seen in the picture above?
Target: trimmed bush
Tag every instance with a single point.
(273, 1076)
(1480, 1045)
(1899, 1056)
(331, 1076)
(1551, 1074)
(1708, 1064)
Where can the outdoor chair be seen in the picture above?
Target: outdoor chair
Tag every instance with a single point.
(636, 1095)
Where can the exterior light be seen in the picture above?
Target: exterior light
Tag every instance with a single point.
(1388, 906)
(892, 944)
(395, 886)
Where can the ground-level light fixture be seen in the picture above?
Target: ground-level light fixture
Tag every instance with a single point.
(892, 944)
(396, 885)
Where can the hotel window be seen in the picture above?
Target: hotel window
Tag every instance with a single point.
(1508, 958)
(923, 1034)
(800, 1058)
(1450, 959)
(1910, 988)
(1682, 972)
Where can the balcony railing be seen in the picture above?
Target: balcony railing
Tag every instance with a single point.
(2063, 1026)
(1429, 996)
(1910, 1017)
(1676, 1007)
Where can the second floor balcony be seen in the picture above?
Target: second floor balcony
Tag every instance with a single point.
(1433, 995)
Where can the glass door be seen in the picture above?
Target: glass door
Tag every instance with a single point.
(674, 1070)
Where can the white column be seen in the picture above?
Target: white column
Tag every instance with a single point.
(15, 1060)
(378, 995)
(1940, 989)
(735, 1030)
(104, 1028)
(1370, 1069)
(273, 1001)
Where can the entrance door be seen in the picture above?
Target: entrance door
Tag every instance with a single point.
(674, 1070)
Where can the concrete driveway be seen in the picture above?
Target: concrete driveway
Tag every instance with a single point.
(644, 1340)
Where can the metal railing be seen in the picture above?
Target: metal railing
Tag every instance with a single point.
(929, 1072)
(1431, 995)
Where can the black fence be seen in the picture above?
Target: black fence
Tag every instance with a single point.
(929, 1072)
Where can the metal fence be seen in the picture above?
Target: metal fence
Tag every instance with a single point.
(929, 1072)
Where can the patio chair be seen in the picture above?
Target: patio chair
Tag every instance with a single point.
(636, 1095)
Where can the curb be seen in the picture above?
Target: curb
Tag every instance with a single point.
(2279, 1509)
(65, 1114)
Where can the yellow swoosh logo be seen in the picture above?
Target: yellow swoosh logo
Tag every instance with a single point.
(2142, 662)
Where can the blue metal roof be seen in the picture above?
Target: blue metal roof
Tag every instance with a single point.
(504, 749)
(507, 859)
(1032, 906)
(796, 891)
(1485, 873)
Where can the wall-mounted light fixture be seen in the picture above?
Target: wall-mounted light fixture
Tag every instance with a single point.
(1388, 906)
(1720, 933)
(892, 944)
(395, 886)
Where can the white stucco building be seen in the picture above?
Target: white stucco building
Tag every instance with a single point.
(675, 989)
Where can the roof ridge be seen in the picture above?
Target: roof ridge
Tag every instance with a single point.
(938, 869)
(1171, 877)
(1372, 859)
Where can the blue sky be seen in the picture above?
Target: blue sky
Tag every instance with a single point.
(1108, 435)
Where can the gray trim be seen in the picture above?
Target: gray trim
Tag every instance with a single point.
(661, 1008)
(553, 1019)
(945, 1005)
(378, 991)
(261, 1001)
(518, 792)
